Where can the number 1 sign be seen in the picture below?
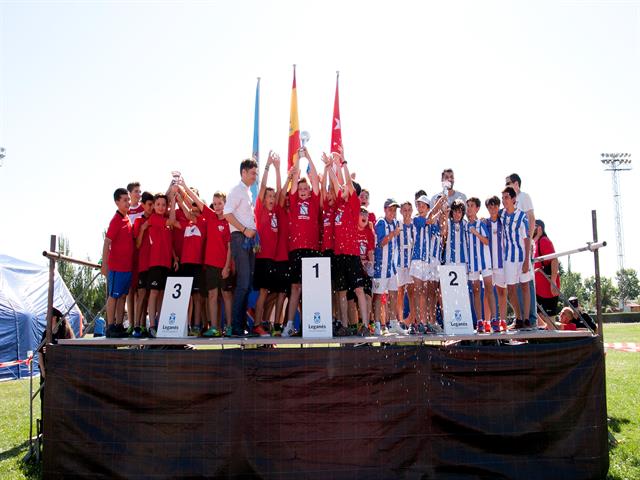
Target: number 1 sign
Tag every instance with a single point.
(456, 309)
(175, 307)
(316, 298)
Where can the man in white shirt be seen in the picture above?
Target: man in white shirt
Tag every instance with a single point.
(524, 204)
(239, 213)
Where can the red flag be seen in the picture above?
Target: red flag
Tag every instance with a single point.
(294, 128)
(336, 128)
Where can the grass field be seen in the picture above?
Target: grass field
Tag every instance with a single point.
(623, 400)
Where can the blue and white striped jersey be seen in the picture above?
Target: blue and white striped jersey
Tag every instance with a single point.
(496, 243)
(405, 245)
(421, 240)
(515, 228)
(456, 249)
(385, 259)
(479, 255)
(435, 243)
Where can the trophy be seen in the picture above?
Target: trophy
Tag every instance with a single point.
(446, 186)
(304, 139)
(175, 181)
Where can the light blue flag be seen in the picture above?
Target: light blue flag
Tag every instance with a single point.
(256, 142)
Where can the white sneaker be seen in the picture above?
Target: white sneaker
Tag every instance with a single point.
(396, 328)
(288, 330)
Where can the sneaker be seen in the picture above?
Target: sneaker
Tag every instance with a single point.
(412, 330)
(495, 326)
(260, 331)
(277, 330)
(353, 330)
(363, 331)
(503, 325)
(480, 328)
(137, 332)
(111, 331)
(434, 328)
(527, 325)
(340, 331)
(397, 329)
(517, 325)
(289, 330)
(120, 331)
(195, 331)
(129, 332)
(421, 329)
(228, 331)
(385, 331)
(212, 332)
(377, 331)
(153, 333)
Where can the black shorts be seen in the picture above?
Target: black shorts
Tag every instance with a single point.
(263, 274)
(194, 271)
(214, 279)
(295, 262)
(350, 274)
(281, 279)
(549, 305)
(143, 280)
(334, 269)
(157, 278)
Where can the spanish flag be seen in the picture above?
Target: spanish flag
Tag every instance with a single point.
(294, 127)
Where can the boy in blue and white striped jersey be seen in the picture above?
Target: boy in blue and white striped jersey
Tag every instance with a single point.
(385, 277)
(479, 261)
(455, 235)
(517, 246)
(496, 249)
(405, 252)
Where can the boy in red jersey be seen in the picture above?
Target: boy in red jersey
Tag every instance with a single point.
(350, 275)
(135, 211)
(217, 259)
(117, 262)
(162, 258)
(141, 235)
(304, 211)
(191, 255)
(327, 245)
(366, 244)
(267, 226)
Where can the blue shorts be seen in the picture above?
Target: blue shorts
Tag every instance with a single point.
(118, 283)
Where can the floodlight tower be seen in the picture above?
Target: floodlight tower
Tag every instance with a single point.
(615, 163)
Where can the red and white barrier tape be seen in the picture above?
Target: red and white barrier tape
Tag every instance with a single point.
(623, 347)
(14, 363)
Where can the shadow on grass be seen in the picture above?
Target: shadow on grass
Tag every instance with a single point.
(31, 469)
(616, 423)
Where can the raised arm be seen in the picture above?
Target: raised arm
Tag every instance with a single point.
(313, 174)
(265, 176)
(294, 178)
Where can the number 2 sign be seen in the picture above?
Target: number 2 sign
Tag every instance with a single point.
(175, 306)
(456, 308)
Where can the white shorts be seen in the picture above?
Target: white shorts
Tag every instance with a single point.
(498, 278)
(404, 278)
(419, 269)
(383, 285)
(475, 276)
(513, 273)
(432, 270)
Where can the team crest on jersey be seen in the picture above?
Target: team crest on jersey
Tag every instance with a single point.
(192, 231)
(339, 218)
(363, 249)
(304, 208)
(274, 223)
(221, 228)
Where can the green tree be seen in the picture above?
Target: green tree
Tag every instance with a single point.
(628, 284)
(571, 286)
(608, 290)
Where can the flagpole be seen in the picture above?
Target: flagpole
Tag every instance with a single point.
(255, 153)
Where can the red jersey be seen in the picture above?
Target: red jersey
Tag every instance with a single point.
(178, 233)
(120, 232)
(372, 218)
(303, 222)
(366, 242)
(346, 225)
(282, 249)
(328, 226)
(194, 241)
(135, 213)
(218, 238)
(145, 246)
(160, 242)
(544, 246)
(267, 226)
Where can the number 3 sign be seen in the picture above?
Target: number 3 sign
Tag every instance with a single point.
(456, 309)
(175, 306)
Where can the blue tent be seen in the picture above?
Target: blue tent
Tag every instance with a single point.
(24, 289)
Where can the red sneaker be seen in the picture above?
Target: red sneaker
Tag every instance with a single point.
(259, 330)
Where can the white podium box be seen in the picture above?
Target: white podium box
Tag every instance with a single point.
(316, 298)
(175, 308)
(456, 308)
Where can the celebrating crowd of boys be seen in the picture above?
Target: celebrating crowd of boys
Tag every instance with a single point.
(236, 244)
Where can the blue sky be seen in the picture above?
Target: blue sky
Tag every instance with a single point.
(96, 94)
